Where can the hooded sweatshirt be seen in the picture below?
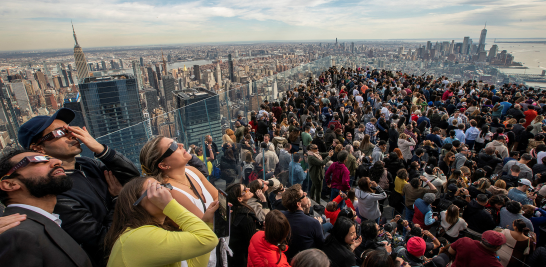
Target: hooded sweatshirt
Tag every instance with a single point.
(338, 176)
(499, 146)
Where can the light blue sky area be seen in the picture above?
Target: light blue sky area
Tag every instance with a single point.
(38, 24)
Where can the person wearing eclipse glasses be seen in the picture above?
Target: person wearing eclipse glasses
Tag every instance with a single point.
(86, 210)
(29, 185)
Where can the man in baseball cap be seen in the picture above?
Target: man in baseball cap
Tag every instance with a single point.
(84, 209)
(468, 252)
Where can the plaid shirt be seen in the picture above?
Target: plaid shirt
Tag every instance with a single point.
(371, 130)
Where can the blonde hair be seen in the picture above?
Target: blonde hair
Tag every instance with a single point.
(500, 184)
(226, 139)
(402, 136)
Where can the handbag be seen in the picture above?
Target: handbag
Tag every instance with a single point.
(442, 231)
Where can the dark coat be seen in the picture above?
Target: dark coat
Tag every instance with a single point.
(38, 241)
(243, 227)
(87, 209)
(339, 254)
(478, 218)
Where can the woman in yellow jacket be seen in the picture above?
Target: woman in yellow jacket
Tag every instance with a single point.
(140, 236)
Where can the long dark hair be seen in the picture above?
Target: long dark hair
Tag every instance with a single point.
(277, 230)
(340, 231)
(234, 192)
(128, 216)
(376, 171)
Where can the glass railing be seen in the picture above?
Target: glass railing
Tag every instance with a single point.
(199, 112)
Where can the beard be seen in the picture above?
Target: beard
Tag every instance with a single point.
(46, 186)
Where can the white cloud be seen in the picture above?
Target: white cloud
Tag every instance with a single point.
(34, 24)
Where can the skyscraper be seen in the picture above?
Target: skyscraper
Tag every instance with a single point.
(466, 46)
(73, 102)
(198, 118)
(112, 107)
(79, 57)
(141, 62)
(218, 74)
(152, 78)
(230, 67)
(169, 86)
(138, 75)
(196, 73)
(481, 44)
(493, 52)
(164, 63)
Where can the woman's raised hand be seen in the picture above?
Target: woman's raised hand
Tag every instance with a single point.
(159, 196)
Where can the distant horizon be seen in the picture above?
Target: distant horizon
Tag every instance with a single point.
(269, 41)
(32, 25)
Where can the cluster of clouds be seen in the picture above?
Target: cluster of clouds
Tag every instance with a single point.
(39, 24)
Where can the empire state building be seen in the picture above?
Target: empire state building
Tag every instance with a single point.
(81, 62)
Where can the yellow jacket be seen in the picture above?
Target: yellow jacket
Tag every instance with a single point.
(153, 246)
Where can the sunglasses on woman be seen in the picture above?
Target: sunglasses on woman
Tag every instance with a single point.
(172, 148)
(24, 162)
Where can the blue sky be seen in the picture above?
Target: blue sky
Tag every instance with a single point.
(45, 24)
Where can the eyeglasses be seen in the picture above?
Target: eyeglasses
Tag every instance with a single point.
(168, 186)
(172, 148)
(302, 197)
(57, 133)
(246, 189)
(24, 162)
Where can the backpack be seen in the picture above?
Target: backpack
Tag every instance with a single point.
(248, 169)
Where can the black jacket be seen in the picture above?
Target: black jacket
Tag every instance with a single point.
(87, 209)
(339, 254)
(394, 165)
(243, 227)
(38, 241)
(487, 160)
(478, 218)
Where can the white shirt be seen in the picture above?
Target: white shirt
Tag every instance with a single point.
(52, 216)
(359, 99)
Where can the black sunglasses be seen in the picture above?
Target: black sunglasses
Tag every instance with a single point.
(168, 186)
(172, 148)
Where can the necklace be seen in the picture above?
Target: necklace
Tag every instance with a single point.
(189, 186)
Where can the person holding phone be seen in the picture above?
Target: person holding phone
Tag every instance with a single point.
(167, 161)
(139, 235)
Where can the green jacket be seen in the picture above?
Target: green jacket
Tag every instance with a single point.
(239, 133)
(351, 164)
(306, 139)
(316, 166)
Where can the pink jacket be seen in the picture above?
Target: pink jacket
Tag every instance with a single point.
(338, 176)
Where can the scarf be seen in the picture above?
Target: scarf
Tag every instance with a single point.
(317, 155)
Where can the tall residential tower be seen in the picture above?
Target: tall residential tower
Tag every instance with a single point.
(81, 62)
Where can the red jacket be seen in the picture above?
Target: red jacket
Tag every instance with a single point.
(338, 176)
(263, 254)
(530, 115)
(332, 215)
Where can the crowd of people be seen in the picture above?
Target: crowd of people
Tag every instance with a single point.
(410, 170)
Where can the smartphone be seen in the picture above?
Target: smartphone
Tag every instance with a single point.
(222, 216)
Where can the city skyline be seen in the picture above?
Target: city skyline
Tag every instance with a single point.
(131, 23)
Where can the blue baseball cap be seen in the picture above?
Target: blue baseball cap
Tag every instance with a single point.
(35, 126)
